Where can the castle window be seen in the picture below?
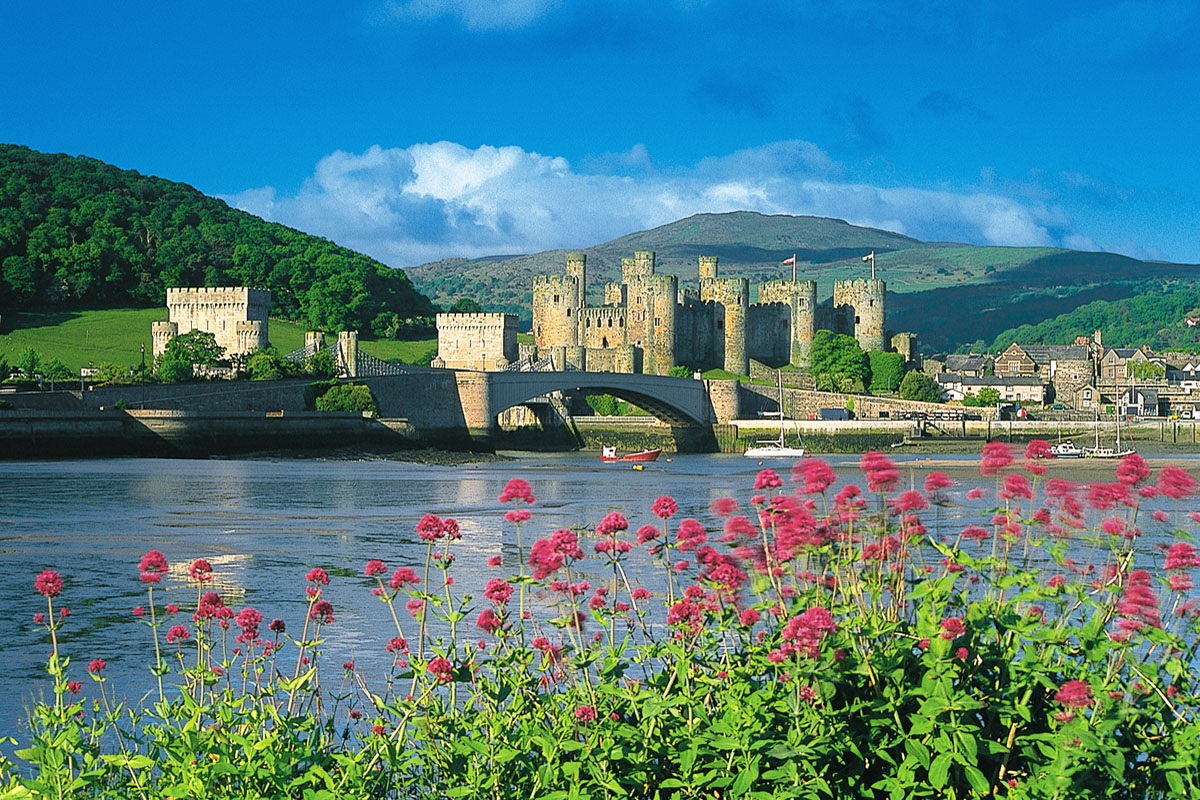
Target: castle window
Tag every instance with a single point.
(556, 298)
(658, 321)
(568, 312)
(621, 322)
(871, 302)
(856, 319)
(610, 322)
(588, 322)
(604, 342)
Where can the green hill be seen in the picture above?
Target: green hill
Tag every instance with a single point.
(949, 294)
(76, 233)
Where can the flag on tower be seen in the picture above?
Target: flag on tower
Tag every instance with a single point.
(870, 256)
(789, 261)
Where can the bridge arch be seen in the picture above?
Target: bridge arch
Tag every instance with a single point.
(675, 401)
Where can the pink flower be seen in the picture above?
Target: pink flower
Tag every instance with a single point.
(495, 561)
(402, 577)
(995, 458)
(441, 669)
(517, 515)
(498, 591)
(952, 628)
(612, 523)
(429, 528)
(641, 594)
(48, 583)
(397, 645)
(178, 633)
(248, 619)
(1176, 483)
(138, 611)
(912, 500)
(585, 714)
(322, 610)
(74, 687)
(1132, 470)
(974, 494)
(936, 481)
(97, 666)
(277, 626)
(1158, 515)
(804, 633)
(40, 617)
(723, 506)
(816, 475)
(1016, 486)
(691, 534)
(664, 507)
(153, 561)
(749, 617)
(488, 622)
(172, 608)
(767, 479)
(1181, 555)
(961, 653)
(1074, 694)
(318, 576)
(415, 607)
(880, 471)
(1038, 448)
(200, 571)
(547, 556)
(375, 567)
(378, 730)
(517, 489)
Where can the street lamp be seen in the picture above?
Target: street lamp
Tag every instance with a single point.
(143, 375)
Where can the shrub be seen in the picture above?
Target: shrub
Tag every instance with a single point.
(919, 386)
(267, 365)
(173, 369)
(315, 390)
(605, 405)
(321, 364)
(348, 397)
(831, 649)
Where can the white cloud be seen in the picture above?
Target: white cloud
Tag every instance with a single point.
(476, 15)
(410, 205)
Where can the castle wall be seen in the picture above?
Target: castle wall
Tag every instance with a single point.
(695, 339)
(769, 333)
(476, 341)
(603, 326)
(730, 299)
(800, 300)
(577, 269)
(235, 315)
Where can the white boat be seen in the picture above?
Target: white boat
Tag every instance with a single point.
(1108, 452)
(1067, 449)
(777, 448)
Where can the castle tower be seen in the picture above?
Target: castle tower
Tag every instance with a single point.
(861, 303)
(800, 297)
(556, 311)
(577, 269)
(663, 294)
(643, 263)
(163, 333)
(730, 299)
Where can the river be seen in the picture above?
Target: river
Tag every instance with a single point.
(263, 523)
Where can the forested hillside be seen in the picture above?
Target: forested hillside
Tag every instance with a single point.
(1156, 318)
(78, 233)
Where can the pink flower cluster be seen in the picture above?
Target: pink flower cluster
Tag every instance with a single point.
(1138, 607)
(48, 583)
(880, 471)
(152, 567)
(816, 475)
(547, 556)
(431, 528)
(996, 457)
(1075, 695)
(517, 489)
(805, 632)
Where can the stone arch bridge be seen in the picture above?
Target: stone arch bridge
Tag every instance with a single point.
(675, 401)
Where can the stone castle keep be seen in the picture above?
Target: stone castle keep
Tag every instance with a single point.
(236, 316)
(648, 324)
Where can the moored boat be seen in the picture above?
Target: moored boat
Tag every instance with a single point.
(1067, 449)
(610, 454)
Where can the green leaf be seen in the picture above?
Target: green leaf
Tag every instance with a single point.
(940, 770)
(918, 751)
(977, 780)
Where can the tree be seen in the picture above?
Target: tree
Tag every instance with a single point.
(605, 405)
(174, 368)
(195, 347)
(887, 370)
(267, 365)
(321, 364)
(109, 373)
(465, 305)
(1149, 370)
(919, 386)
(29, 362)
(838, 356)
(348, 397)
(55, 370)
(988, 396)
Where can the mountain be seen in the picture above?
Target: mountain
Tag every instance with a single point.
(950, 294)
(76, 232)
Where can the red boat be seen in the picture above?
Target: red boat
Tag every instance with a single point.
(610, 454)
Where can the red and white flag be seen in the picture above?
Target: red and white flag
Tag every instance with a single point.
(790, 261)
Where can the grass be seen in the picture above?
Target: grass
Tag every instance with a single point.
(116, 335)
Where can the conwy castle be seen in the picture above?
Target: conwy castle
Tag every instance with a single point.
(648, 324)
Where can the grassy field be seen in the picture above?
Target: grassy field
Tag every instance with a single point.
(116, 335)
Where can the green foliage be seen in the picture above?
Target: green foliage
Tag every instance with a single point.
(886, 369)
(29, 362)
(173, 368)
(989, 396)
(3, 368)
(321, 364)
(919, 386)
(1154, 317)
(1147, 370)
(110, 373)
(465, 305)
(314, 391)
(268, 365)
(1002, 674)
(605, 405)
(348, 397)
(838, 362)
(680, 371)
(79, 232)
(195, 347)
(55, 370)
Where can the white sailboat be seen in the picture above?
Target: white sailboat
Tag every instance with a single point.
(777, 448)
(1108, 452)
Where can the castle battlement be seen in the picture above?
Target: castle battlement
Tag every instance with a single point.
(235, 315)
(479, 341)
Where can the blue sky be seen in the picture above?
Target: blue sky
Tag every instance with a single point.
(420, 129)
